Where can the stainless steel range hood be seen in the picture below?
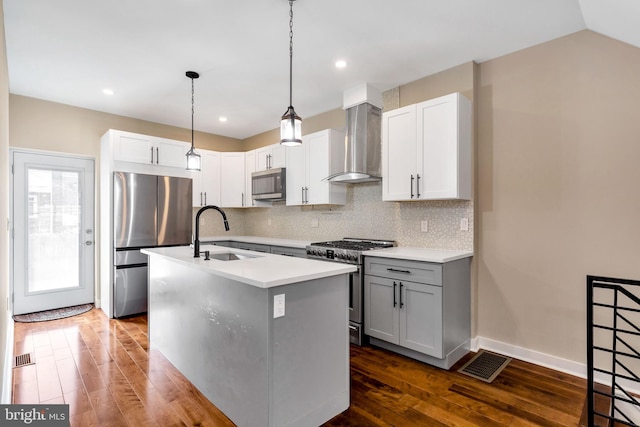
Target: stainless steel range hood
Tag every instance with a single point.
(362, 147)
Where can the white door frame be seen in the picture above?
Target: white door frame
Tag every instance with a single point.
(88, 226)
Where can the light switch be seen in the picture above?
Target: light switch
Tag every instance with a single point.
(278, 306)
(464, 224)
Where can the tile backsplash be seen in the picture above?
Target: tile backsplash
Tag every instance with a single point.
(364, 215)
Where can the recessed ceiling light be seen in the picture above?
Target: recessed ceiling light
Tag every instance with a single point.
(341, 64)
(222, 119)
(107, 91)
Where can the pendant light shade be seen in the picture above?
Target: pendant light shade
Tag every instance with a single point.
(291, 128)
(291, 123)
(193, 158)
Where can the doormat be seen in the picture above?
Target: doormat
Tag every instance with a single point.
(58, 313)
(485, 366)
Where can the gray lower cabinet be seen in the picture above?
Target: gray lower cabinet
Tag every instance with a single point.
(288, 251)
(259, 247)
(419, 309)
(225, 243)
(405, 313)
(256, 247)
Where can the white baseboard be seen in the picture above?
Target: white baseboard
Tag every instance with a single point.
(542, 359)
(548, 361)
(7, 368)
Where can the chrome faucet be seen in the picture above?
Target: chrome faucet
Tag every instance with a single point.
(196, 240)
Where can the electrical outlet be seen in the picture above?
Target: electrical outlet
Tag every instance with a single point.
(278, 306)
(424, 225)
(464, 224)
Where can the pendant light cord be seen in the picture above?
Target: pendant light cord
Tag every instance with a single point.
(290, 52)
(192, 111)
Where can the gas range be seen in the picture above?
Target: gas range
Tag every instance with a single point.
(348, 250)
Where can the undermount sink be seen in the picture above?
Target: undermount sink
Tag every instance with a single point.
(231, 256)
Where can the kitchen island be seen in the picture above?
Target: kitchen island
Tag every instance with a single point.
(264, 337)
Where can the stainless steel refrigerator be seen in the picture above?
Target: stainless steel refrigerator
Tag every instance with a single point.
(149, 211)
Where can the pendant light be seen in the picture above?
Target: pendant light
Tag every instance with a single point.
(291, 124)
(193, 158)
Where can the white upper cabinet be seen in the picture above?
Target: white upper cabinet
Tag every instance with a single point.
(426, 150)
(250, 166)
(206, 181)
(271, 156)
(232, 180)
(150, 150)
(309, 164)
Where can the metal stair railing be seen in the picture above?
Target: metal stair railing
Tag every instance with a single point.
(613, 315)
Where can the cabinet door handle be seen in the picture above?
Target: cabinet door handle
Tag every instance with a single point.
(394, 294)
(302, 188)
(395, 270)
(242, 199)
(401, 303)
(201, 204)
(205, 197)
(151, 155)
(418, 186)
(412, 186)
(157, 156)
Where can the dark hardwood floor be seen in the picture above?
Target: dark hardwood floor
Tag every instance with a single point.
(105, 371)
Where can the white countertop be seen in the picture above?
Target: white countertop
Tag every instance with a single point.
(272, 241)
(262, 271)
(419, 254)
(398, 252)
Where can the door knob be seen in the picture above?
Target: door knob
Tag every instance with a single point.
(88, 243)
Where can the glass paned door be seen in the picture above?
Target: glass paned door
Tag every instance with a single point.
(53, 231)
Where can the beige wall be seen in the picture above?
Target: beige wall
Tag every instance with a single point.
(558, 187)
(5, 322)
(456, 79)
(45, 125)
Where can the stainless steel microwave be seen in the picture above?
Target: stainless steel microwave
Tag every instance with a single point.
(269, 184)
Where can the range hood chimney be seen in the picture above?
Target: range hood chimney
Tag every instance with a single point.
(362, 145)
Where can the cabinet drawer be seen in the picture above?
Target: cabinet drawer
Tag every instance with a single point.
(415, 271)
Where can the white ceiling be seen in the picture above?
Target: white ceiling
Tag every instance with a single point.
(68, 51)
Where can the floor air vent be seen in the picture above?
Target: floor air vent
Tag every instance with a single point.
(23, 360)
(485, 366)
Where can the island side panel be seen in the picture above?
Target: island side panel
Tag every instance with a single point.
(215, 331)
(310, 352)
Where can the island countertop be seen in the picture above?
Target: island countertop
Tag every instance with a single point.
(262, 270)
